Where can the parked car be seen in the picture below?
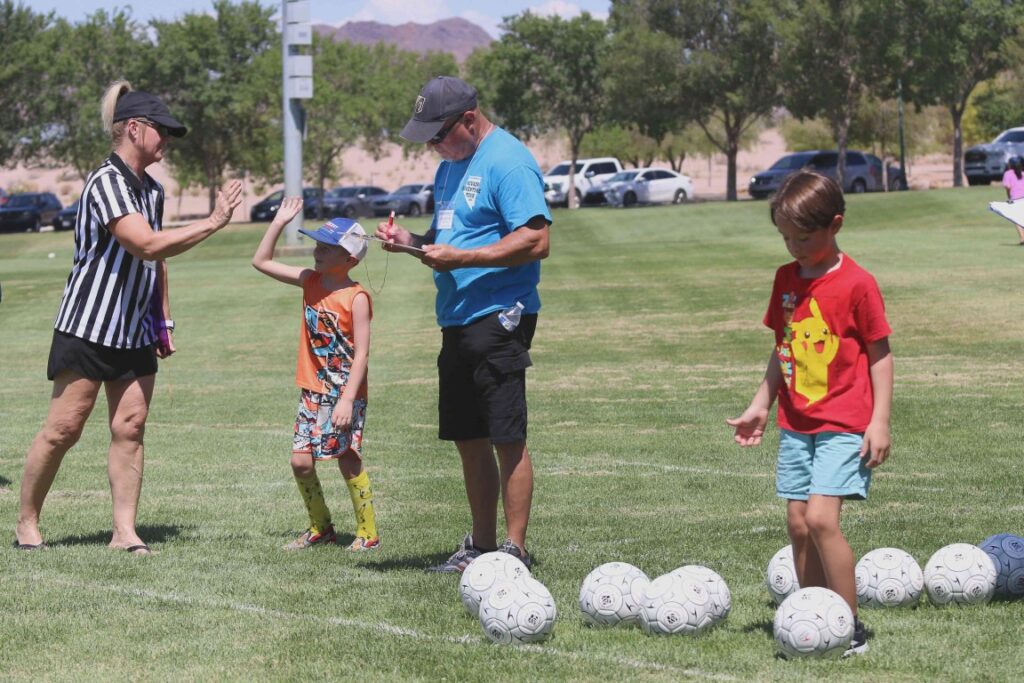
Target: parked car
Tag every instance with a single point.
(3, 197)
(350, 202)
(28, 211)
(265, 210)
(863, 172)
(410, 200)
(589, 172)
(988, 162)
(642, 186)
(65, 218)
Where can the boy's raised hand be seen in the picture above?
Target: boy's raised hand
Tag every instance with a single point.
(749, 426)
(290, 207)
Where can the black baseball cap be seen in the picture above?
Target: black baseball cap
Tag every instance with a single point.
(440, 99)
(139, 104)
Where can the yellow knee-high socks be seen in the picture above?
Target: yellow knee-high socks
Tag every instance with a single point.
(362, 503)
(313, 496)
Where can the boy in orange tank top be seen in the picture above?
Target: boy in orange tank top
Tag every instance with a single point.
(334, 345)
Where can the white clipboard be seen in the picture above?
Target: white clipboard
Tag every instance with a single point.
(1011, 211)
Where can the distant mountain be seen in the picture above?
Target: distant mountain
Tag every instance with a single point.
(457, 36)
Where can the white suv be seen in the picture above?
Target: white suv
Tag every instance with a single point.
(589, 173)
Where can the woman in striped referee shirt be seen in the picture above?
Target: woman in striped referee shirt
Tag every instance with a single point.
(114, 319)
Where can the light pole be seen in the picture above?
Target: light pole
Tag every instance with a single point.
(297, 85)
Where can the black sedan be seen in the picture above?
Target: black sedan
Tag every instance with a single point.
(28, 211)
(265, 210)
(65, 218)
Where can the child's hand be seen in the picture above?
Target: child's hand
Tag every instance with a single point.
(877, 443)
(290, 207)
(749, 426)
(341, 418)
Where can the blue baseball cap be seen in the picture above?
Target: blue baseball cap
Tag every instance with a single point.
(341, 232)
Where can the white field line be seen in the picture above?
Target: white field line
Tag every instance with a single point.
(383, 627)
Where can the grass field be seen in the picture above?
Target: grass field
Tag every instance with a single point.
(649, 338)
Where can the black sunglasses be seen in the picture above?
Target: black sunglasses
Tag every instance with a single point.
(161, 130)
(443, 133)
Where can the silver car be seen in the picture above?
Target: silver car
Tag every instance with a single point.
(408, 200)
(985, 163)
(641, 186)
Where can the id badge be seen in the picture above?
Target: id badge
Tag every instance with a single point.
(445, 215)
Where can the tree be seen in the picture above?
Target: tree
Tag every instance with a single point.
(21, 97)
(210, 72)
(544, 74)
(726, 66)
(85, 59)
(955, 46)
(361, 96)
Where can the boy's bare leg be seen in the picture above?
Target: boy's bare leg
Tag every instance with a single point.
(806, 561)
(837, 558)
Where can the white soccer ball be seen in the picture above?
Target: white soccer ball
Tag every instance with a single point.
(813, 622)
(714, 584)
(781, 577)
(1007, 554)
(676, 603)
(888, 577)
(483, 573)
(960, 573)
(611, 594)
(517, 612)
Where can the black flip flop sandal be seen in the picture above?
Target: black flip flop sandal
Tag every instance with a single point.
(18, 545)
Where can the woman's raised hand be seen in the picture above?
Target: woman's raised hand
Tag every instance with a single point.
(228, 198)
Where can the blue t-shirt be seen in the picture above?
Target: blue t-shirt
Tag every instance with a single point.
(483, 199)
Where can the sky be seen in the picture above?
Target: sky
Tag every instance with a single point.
(485, 13)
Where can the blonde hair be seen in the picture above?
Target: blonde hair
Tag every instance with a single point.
(107, 106)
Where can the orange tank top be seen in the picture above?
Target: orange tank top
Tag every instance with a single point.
(327, 340)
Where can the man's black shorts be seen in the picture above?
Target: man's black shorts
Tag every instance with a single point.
(482, 380)
(97, 362)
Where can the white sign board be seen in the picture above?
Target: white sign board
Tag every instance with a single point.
(298, 11)
(299, 88)
(299, 34)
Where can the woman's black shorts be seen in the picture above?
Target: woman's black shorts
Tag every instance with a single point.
(98, 362)
(482, 380)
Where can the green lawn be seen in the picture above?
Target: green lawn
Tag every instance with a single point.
(649, 338)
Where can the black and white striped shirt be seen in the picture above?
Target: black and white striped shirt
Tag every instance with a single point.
(108, 293)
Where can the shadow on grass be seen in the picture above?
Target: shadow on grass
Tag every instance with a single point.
(767, 627)
(157, 533)
(5, 482)
(421, 563)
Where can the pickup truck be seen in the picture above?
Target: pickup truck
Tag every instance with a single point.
(988, 162)
(589, 173)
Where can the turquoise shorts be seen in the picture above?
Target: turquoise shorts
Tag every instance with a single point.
(826, 464)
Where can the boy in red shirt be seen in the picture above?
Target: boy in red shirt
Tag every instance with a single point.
(832, 372)
(334, 347)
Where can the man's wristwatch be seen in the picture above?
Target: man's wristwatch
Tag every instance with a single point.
(169, 326)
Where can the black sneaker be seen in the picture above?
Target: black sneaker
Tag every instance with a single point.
(859, 644)
(515, 551)
(460, 559)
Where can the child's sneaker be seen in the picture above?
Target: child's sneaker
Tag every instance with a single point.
(460, 559)
(364, 543)
(515, 551)
(309, 539)
(859, 644)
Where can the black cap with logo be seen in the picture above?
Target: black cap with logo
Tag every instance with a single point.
(139, 104)
(440, 99)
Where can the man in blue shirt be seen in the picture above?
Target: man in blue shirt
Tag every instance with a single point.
(485, 243)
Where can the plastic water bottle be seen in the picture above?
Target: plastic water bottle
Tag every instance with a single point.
(509, 318)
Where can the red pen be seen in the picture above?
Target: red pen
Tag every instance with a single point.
(391, 219)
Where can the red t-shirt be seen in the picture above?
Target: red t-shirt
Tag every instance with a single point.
(822, 329)
(327, 340)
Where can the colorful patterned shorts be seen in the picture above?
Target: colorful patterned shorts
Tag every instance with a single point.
(315, 434)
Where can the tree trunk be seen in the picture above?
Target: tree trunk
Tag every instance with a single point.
(570, 197)
(211, 186)
(958, 146)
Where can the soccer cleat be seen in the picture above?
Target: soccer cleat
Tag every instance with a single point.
(859, 644)
(360, 544)
(308, 539)
(516, 551)
(460, 559)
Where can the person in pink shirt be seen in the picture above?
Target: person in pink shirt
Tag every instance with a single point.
(1013, 181)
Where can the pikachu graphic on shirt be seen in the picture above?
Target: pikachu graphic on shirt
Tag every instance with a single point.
(814, 346)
